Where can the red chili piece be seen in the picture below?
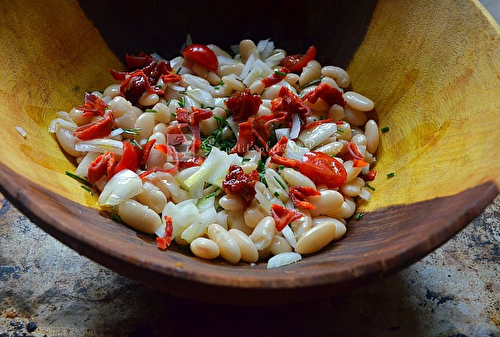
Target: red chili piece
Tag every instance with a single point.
(129, 160)
(354, 155)
(283, 216)
(243, 105)
(94, 106)
(98, 129)
(299, 195)
(164, 241)
(246, 138)
(296, 62)
(104, 164)
(279, 148)
(327, 93)
(315, 124)
(201, 55)
(146, 149)
(241, 184)
(276, 77)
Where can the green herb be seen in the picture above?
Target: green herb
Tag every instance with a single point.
(370, 187)
(340, 130)
(321, 117)
(182, 103)
(280, 183)
(168, 102)
(221, 121)
(390, 175)
(219, 208)
(245, 159)
(313, 82)
(116, 217)
(359, 216)
(79, 179)
(134, 132)
(151, 111)
(281, 167)
(385, 129)
(136, 144)
(87, 189)
(216, 87)
(210, 195)
(276, 194)
(178, 70)
(222, 83)
(173, 114)
(280, 73)
(159, 86)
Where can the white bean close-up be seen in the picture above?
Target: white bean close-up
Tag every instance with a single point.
(260, 156)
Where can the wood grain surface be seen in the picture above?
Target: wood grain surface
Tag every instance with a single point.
(432, 68)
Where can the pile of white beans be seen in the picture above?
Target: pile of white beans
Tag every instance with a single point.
(235, 232)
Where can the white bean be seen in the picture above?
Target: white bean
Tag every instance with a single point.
(292, 78)
(257, 87)
(231, 202)
(372, 136)
(354, 117)
(67, 140)
(146, 123)
(310, 72)
(139, 216)
(295, 178)
(234, 69)
(338, 74)
(248, 250)
(247, 48)
(358, 101)
(235, 219)
(359, 139)
(303, 224)
(160, 127)
(120, 106)
(340, 227)
(148, 99)
(332, 148)
(152, 197)
(279, 245)
(352, 188)
(159, 137)
(316, 238)
(228, 246)
(262, 234)
(332, 83)
(345, 211)
(253, 215)
(204, 248)
(336, 112)
(352, 172)
(344, 131)
(163, 113)
(327, 201)
(233, 83)
(112, 90)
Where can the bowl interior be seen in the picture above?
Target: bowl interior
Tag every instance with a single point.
(431, 68)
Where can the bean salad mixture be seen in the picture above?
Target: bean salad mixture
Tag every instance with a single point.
(256, 156)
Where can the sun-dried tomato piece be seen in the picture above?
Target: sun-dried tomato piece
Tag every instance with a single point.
(164, 241)
(283, 216)
(129, 159)
(246, 138)
(279, 148)
(97, 129)
(299, 195)
(314, 124)
(94, 106)
(327, 93)
(104, 164)
(243, 105)
(146, 149)
(191, 162)
(241, 184)
(288, 102)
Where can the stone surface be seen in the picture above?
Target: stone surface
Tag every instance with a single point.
(452, 292)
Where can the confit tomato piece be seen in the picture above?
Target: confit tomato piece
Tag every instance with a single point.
(104, 164)
(241, 184)
(327, 93)
(129, 160)
(201, 55)
(243, 105)
(296, 62)
(283, 216)
(323, 169)
(97, 129)
(299, 195)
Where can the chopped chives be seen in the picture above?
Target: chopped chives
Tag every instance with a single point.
(246, 159)
(116, 217)
(136, 144)
(152, 111)
(385, 129)
(173, 114)
(210, 195)
(178, 70)
(279, 182)
(370, 187)
(87, 189)
(276, 194)
(390, 175)
(359, 216)
(182, 103)
(280, 73)
(79, 179)
(135, 131)
(168, 102)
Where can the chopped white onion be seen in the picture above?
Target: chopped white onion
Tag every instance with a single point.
(59, 121)
(295, 131)
(282, 132)
(314, 136)
(21, 131)
(283, 259)
(294, 151)
(265, 48)
(365, 194)
(116, 132)
(100, 145)
(122, 186)
(248, 66)
(289, 236)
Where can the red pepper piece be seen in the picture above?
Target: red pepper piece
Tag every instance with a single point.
(104, 164)
(296, 62)
(327, 93)
(191, 162)
(283, 216)
(146, 150)
(315, 124)
(171, 78)
(279, 148)
(93, 106)
(129, 160)
(246, 138)
(354, 155)
(144, 174)
(241, 184)
(285, 161)
(169, 150)
(243, 105)
(276, 77)
(288, 102)
(370, 176)
(98, 129)
(299, 195)
(165, 241)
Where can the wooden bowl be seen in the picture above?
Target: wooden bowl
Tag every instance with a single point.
(432, 68)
